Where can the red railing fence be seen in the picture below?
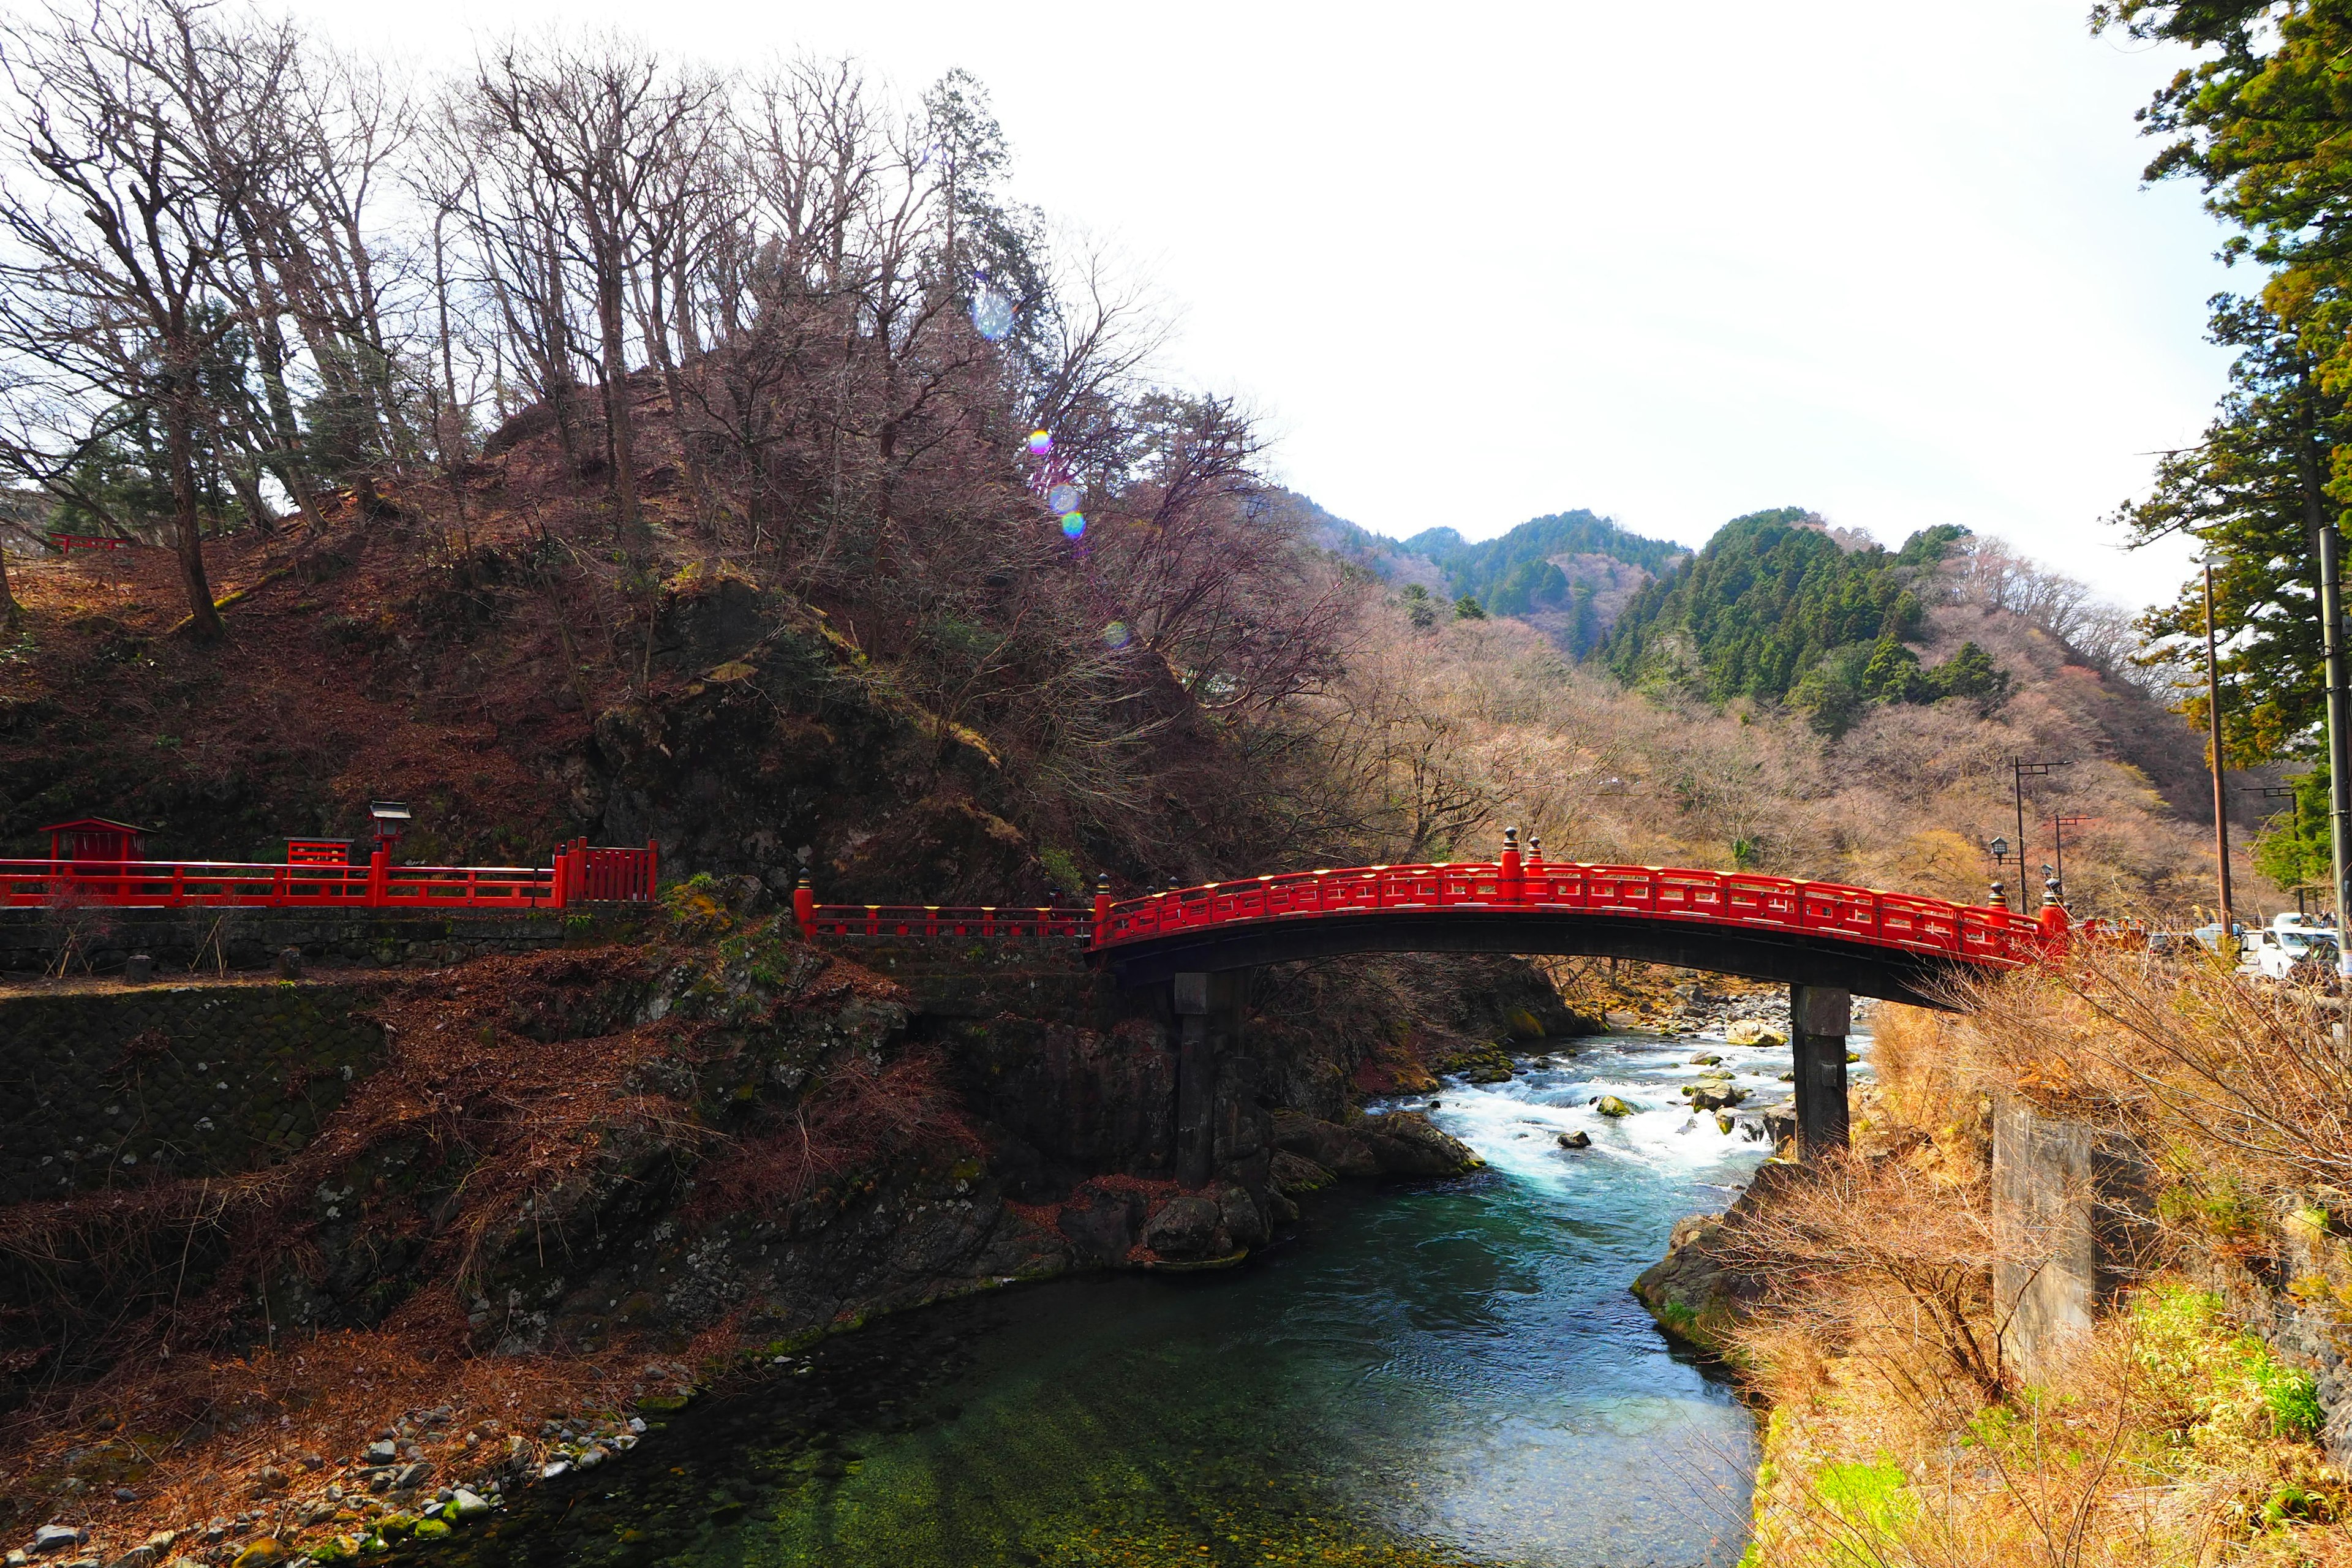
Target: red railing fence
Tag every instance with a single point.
(579, 874)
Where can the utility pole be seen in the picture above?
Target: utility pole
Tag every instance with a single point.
(2339, 742)
(2059, 824)
(2312, 460)
(2213, 719)
(2019, 772)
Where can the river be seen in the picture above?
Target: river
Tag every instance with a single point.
(1447, 1374)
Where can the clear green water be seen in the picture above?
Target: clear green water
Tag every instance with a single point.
(1452, 1372)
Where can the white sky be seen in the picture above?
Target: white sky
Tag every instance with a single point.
(1484, 261)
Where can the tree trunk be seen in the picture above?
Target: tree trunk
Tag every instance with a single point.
(616, 390)
(204, 620)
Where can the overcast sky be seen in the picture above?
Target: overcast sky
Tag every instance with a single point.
(1480, 262)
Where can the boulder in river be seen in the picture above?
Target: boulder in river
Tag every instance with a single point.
(1609, 1105)
(1579, 1139)
(1707, 1059)
(1400, 1143)
(1186, 1228)
(1754, 1032)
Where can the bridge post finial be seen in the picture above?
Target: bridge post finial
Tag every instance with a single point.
(1511, 890)
(1102, 905)
(2000, 895)
(804, 905)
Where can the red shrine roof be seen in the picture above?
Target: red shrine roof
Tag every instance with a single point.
(89, 824)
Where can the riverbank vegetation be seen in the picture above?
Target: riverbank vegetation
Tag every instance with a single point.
(1875, 1302)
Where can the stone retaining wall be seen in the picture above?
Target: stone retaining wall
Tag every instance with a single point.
(96, 941)
(104, 1088)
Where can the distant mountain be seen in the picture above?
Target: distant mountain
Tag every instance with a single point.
(1570, 574)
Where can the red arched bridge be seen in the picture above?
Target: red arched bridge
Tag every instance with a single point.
(1827, 942)
(1888, 945)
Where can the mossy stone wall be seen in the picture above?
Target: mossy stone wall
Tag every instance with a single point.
(103, 1089)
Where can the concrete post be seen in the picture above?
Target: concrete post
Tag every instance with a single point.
(1819, 1019)
(2069, 1202)
(1208, 1024)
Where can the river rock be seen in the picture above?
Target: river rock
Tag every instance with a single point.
(51, 1538)
(1338, 1149)
(466, 1504)
(1241, 1218)
(1707, 1059)
(1403, 1144)
(1754, 1032)
(1104, 1227)
(1579, 1139)
(1400, 1143)
(1186, 1228)
(1609, 1105)
(1296, 1173)
(1689, 1291)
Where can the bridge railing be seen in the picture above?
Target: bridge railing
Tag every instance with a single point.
(577, 876)
(1982, 935)
(983, 922)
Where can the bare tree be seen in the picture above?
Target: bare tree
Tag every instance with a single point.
(110, 242)
(601, 126)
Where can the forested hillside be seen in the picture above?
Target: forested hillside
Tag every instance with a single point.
(1773, 602)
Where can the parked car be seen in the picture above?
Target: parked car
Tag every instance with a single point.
(2290, 947)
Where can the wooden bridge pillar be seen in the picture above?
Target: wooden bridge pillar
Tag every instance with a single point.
(1819, 1019)
(1208, 1007)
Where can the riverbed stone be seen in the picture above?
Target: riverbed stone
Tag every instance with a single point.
(1579, 1139)
(1611, 1106)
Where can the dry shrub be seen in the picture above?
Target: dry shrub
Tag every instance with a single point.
(1920, 1063)
(860, 1118)
(1885, 1263)
(2214, 1074)
(2164, 1434)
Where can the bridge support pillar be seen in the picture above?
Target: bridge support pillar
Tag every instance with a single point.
(1819, 1019)
(1208, 1007)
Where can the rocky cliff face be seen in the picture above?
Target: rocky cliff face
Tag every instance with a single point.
(662, 1155)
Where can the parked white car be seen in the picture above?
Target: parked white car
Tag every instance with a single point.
(2273, 951)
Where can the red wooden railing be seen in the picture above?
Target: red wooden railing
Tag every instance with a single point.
(579, 874)
(984, 923)
(1729, 899)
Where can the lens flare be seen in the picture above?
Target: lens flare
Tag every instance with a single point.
(991, 314)
(1041, 444)
(1063, 498)
(1116, 635)
(1074, 523)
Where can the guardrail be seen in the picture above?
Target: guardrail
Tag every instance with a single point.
(1969, 933)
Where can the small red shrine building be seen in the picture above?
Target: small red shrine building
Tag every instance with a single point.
(96, 838)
